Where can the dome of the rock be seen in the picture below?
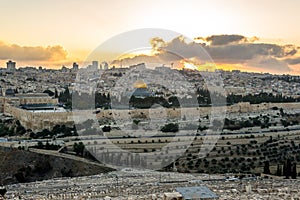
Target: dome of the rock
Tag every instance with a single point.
(140, 84)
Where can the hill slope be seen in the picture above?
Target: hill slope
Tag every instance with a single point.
(23, 166)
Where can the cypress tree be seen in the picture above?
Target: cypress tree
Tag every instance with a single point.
(55, 93)
(294, 171)
(267, 167)
(279, 170)
(284, 169)
(288, 168)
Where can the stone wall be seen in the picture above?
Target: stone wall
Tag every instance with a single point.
(171, 113)
(41, 120)
(38, 121)
(19, 99)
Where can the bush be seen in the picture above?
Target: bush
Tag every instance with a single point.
(171, 127)
(78, 148)
(106, 129)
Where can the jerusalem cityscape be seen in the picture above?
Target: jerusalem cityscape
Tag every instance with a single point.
(94, 104)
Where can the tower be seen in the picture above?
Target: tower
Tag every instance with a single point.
(105, 65)
(75, 66)
(95, 64)
(10, 65)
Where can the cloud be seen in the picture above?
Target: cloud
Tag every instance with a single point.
(32, 53)
(232, 52)
(293, 61)
(223, 39)
(167, 52)
(242, 52)
(236, 49)
(268, 64)
(227, 49)
(135, 60)
(290, 50)
(179, 48)
(157, 43)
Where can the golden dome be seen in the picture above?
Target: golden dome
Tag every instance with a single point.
(140, 84)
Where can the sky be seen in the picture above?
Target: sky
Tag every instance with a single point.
(55, 33)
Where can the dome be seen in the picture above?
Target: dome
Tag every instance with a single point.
(140, 84)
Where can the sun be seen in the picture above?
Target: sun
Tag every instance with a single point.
(187, 65)
(208, 66)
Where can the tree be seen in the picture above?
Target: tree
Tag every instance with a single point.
(294, 171)
(47, 145)
(106, 129)
(2, 191)
(65, 97)
(40, 145)
(135, 124)
(55, 93)
(201, 128)
(171, 127)
(281, 112)
(173, 100)
(288, 167)
(284, 169)
(78, 148)
(279, 170)
(267, 167)
(49, 92)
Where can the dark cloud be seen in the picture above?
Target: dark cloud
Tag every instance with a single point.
(290, 50)
(29, 53)
(293, 61)
(232, 53)
(259, 55)
(268, 63)
(234, 49)
(183, 49)
(246, 51)
(167, 52)
(135, 60)
(223, 39)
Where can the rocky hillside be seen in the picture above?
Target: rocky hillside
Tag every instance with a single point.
(23, 166)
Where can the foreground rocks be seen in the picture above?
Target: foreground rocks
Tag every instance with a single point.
(135, 184)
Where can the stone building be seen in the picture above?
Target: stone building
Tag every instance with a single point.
(35, 111)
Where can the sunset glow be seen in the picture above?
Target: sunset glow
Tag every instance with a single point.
(188, 65)
(200, 67)
(56, 33)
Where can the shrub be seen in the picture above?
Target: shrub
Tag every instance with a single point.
(171, 127)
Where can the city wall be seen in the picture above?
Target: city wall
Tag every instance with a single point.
(37, 121)
(171, 113)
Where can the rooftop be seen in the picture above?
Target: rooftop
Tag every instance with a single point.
(38, 106)
(197, 192)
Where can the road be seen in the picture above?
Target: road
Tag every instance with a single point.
(67, 156)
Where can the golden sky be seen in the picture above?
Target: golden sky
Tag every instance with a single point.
(55, 33)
